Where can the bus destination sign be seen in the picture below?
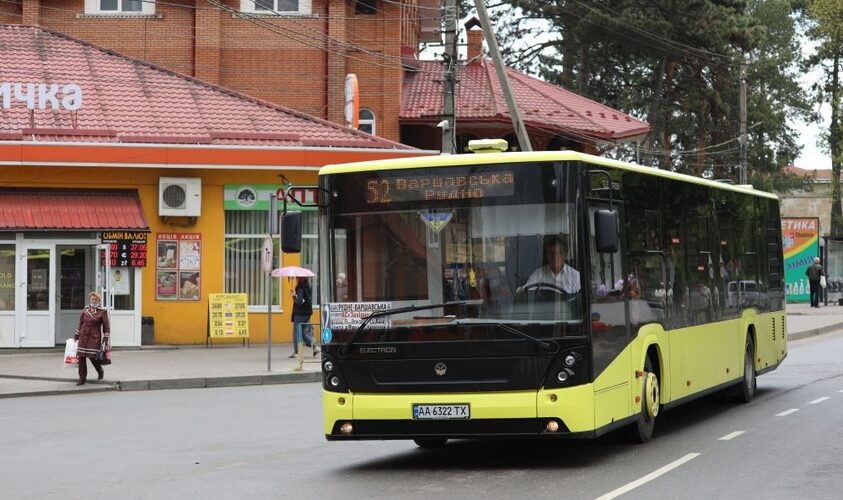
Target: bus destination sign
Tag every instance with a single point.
(126, 248)
(435, 187)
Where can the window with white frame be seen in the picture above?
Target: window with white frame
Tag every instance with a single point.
(120, 7)
(277, 7)
(245, 231)
(367, 121)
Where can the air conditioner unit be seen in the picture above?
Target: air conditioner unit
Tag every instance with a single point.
(179, 196)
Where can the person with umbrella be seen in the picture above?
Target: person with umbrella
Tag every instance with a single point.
(302, 310)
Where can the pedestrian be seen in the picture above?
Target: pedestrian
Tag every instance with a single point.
(302, 310)
(93, 332)
(815, 274)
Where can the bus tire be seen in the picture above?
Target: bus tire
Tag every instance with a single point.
(642, 430)
(745, 391)
(430, 442)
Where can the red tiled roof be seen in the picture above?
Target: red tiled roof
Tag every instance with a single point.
(821, 175)
(127, 100)
(71, 210)
(544, 106)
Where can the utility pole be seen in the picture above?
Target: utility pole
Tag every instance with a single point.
(743, 139)
(489, 35)
(451, 61)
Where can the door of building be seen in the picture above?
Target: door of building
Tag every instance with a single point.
(76, 279)
(37, 264)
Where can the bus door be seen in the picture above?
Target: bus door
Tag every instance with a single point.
(609, 312)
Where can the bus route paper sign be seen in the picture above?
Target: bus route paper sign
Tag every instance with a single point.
(350, 315)
(228, 316)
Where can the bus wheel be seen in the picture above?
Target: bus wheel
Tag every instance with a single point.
(642, 430)
(746, 390)
(430, 442)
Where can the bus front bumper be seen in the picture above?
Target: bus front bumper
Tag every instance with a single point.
(544, 413)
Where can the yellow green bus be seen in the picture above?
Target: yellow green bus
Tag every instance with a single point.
(542, 294)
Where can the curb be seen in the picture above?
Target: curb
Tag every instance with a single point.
(59, 392)
(213, 382)
(815, 331)
(168, 384)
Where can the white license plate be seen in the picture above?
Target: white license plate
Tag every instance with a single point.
(441, 412)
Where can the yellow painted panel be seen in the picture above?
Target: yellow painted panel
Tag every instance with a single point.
(333, 410)
(520, 404)
(573, 405)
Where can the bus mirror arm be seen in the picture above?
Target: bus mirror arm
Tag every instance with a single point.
(345, 350)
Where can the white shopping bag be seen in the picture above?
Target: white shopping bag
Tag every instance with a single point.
(71, 360)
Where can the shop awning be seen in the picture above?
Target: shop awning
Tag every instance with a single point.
(34, 209)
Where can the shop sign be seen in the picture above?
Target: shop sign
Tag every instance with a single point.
(178, 266)
(228, 316)
(126, 248)
(256, 197)
(40, 95)
(800, 241)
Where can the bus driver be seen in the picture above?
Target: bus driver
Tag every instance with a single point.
(556, 271)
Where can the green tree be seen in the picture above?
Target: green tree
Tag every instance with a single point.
(674, 63)
(825, 29)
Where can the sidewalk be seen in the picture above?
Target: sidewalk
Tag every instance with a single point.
(40, 372)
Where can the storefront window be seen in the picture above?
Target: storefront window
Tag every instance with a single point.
(310, 250)
(7, 277)
(244, 234)
(38, 279)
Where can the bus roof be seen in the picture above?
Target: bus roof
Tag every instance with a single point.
(490, 158)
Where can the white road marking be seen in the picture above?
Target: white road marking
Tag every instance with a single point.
(231, 466)
(841, 390)
(732, 435)
(818, 400)
(649, 477)
(788, 412)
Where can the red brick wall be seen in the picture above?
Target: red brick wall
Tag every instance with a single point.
(380, 80)
(10, 13)
(167, 41)
(31, 12)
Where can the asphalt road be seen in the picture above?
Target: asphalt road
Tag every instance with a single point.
(267, 442)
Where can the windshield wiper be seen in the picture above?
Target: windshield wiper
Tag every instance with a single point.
(346, 348)
(551, 347)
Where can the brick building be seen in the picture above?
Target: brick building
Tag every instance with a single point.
(297, 53)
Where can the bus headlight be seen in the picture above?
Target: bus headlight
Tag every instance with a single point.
(562, 376)
(334, 381)
(329, 366)
(570, 360)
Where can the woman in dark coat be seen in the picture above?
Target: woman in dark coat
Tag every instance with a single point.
(302, 310)
(93, 331)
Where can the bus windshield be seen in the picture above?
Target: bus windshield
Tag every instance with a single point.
(501, 239)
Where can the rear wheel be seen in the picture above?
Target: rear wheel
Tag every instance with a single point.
(430, 442)
(746, 390)
(642, 430)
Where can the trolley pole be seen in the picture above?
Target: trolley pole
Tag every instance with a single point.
(514, 113)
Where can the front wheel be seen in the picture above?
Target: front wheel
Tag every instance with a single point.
(430, 442)
(642, 430)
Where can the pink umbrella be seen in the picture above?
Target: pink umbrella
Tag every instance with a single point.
(292, 272)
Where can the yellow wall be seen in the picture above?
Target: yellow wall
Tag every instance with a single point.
(179, 322)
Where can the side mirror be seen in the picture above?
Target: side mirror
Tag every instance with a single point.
(606, 231)
(291, 224)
